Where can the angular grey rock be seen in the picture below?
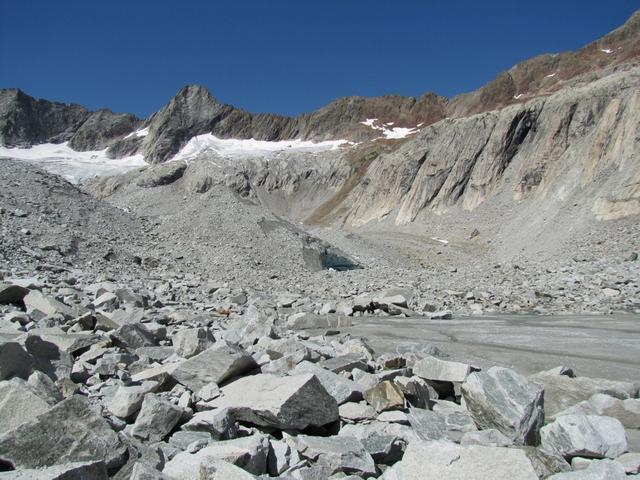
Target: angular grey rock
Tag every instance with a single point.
(255, 324)
(216, 364)
(430, 425)
(192, 341)
(128, 399)
(305, 321)
(294, 402)
(505, 400)
(429, 460)
(344, 363)
(249, 453)
(585, 436)
(630, 462)
(41, 442)
(356, 411)
(627, 411)
(487, 438)
(135, 335)
(10, 293)
(417, 391)
(43, 387)
(597, 470)
(340, 453)
(339, 387)
(18, 404)
(562, 392)
(67, 471)
(432, 368)
(384, 449)
(220, 424)
(15, 361)
(156, 419)
(39, 306)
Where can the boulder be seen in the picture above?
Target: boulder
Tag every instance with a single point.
(597, 470)
(156, 419)
(18, 404)
(585, 436)
(630, 462)
(339, 387)
(450, 426)
(10, 293)
(294, 402)
(417, 391)
(15, 361)
(562, 391)
(249, 453)
(219, 424)
(339, 453)
(304, 321)
(385, 396)
(437, 460)
(505, 400)
(192, 341)
(128, 399)
(41, 442)
(432, 368)
(221, 470)
(344, 363)
(216, 364)
(627, 411)
(356, 411)
(39, 306)
(94, 470)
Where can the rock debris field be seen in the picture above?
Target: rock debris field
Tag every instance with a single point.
(113, 365)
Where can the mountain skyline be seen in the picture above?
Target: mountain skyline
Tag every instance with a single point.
(72, 56)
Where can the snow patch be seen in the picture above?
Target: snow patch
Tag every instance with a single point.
(395, 132)
(74, 166)
(518, 96)
(143, 132)
(551, 75)
(232, 147)
(606, 50)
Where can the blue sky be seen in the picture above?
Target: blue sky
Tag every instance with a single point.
(279, 55)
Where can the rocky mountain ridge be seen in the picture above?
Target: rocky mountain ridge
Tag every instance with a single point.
(193, 111)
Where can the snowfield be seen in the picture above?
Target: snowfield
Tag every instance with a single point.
(80, 166)
(232, 147)
(395, 132)
(74, 166)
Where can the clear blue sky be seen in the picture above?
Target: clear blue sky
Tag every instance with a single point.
(280, 56)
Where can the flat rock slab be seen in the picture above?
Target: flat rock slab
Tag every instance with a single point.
(294, 402)
(430, 425)
(585, 436)
(216, 364)
(432, 368)
(343, 363)
(18, 404)
(341, 453)
(249, 453)
(597, 470)
(440, 460)
(502, 399)
(627, 411)
(39, 306)
(42, 442)
(67, 471)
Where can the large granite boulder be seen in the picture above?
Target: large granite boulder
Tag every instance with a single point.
(585, 436)
(505, 400)
(294, 402)
(41, 442)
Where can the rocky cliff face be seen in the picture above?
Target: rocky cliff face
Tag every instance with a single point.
(26, 121)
